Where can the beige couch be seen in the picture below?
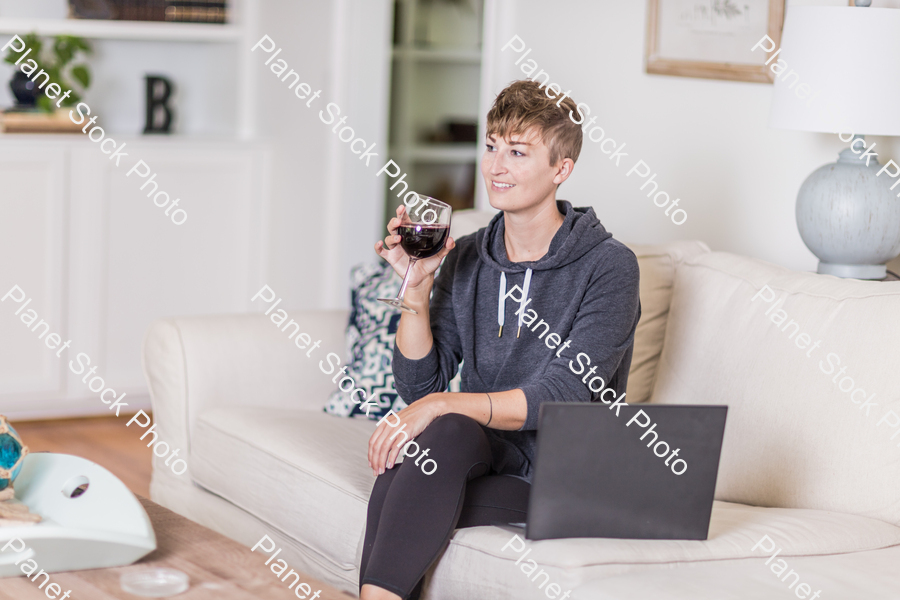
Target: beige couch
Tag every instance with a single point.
(801, 463)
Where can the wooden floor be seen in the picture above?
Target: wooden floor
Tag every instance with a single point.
(103, 440)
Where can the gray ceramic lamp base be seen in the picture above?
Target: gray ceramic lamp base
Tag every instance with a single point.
(849, 218)
(853, 271)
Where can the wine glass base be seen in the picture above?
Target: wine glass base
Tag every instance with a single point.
(398, 304)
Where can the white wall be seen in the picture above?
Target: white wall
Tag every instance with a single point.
(708, 141)
(326, 208)
(302, 30)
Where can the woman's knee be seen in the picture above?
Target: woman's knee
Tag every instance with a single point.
(453, 424)
(452, 429)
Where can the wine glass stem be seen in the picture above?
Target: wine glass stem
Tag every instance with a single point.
(412, 261)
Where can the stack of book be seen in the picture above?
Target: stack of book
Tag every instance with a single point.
(193, 11)
(196, 11)
(140, 10)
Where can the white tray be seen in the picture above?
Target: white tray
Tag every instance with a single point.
(106, 526)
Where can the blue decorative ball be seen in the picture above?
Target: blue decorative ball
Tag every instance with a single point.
(12, 450)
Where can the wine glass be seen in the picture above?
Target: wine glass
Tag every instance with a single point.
(422, 235)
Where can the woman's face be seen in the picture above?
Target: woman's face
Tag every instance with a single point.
(517, 171)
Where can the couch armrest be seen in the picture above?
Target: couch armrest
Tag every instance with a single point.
(194, 363)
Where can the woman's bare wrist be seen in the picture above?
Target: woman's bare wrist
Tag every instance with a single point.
(438, 404)
(420, 294)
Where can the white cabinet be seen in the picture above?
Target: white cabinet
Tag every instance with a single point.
(101, 261)
(32, 247)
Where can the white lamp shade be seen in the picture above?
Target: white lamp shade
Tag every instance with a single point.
(849, 59)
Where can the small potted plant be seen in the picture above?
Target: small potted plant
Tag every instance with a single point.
(57, 64)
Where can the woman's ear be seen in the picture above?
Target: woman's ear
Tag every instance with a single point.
(563, 170)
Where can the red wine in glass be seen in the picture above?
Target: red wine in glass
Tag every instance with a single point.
(423, 241)
(422, 232)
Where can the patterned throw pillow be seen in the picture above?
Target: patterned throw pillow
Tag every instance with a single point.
(370, 339)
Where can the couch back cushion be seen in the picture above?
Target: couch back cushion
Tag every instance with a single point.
(799, 433)
(657, 264)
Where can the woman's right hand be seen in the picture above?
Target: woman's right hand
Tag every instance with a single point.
(391, 250)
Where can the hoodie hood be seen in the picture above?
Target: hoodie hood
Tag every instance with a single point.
(580, 232)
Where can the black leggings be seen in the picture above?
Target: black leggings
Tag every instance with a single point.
(412, 515)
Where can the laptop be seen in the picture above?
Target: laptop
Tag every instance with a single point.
(595, 477)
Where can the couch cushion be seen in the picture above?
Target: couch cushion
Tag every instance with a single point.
(302, 471)
(871, 575)
(793, 438)
(475, 557)
(657, 265)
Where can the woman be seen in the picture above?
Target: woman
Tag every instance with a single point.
(528, 304)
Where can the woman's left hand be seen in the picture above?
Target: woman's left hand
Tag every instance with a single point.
(416, 417)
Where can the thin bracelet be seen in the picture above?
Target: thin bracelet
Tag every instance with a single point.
(492, 410)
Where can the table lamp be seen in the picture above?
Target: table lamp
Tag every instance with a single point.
(838, 72)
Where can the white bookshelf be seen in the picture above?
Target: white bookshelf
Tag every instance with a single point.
(207, 61)
(123, 30)
(436, 77)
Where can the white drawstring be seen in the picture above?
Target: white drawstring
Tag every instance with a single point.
(501, 301)
(523, 301)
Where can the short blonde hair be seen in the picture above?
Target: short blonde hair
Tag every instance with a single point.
(524, 104)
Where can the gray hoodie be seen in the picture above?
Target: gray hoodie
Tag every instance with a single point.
(585, 290)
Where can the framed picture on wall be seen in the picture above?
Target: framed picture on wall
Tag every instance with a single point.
(712, 39)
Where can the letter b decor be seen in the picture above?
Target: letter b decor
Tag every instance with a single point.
(159, 114)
